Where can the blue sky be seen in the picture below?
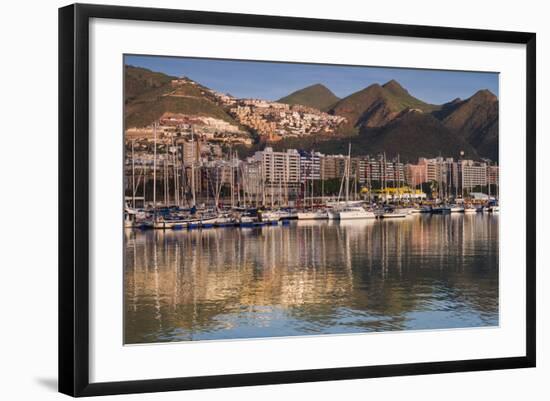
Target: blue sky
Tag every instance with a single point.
(271, 81)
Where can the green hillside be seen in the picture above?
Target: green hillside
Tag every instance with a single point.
(317, 96)
(143, 114)
(399, 98)
(150, 94)
(139, 81)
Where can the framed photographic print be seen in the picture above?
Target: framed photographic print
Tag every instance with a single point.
(249, 199)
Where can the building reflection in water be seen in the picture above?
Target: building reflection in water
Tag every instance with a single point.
(426, 272)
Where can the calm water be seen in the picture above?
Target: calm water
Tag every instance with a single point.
(425, 272)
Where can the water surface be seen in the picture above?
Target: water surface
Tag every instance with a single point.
(425, 272)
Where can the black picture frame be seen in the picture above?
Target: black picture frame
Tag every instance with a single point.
(74, 198)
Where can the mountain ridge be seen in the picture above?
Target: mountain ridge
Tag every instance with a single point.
(376, 105)
(377, 116)
(476, 120)
(317, 96)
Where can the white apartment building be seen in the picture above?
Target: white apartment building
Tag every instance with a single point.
(473, 174)
(310, 165)
(279, 166)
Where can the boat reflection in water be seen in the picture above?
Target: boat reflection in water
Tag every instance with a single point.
(312, 277)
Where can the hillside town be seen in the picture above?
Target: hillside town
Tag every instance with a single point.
(272, 121)
(276, 121)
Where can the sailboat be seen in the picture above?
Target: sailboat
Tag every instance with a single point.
(456, 209)
(225, 220)
(355, 212)
(269, 217)
(350, 212)
(312, 215)
(393, 214)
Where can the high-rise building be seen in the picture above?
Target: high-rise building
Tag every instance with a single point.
(472, 174)
(252, 177)
(190, 152)
(384, 172)
(332, 166)
(359, 169)
(310, 165)
(279, 166)
(453, 178)
(416, 174)
(437, 169)
(492, 175)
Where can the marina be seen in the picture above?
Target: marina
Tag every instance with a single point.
(186, 206)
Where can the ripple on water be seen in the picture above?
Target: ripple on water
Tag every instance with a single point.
(429, 272)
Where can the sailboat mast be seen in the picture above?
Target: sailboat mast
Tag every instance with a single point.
(348, 165)
(133, 177)
(232, 180)
(321, 166)
(280, 192)
(311, 177)
(155, 167)
(175, 171)
(238, 181)
(272, 191)
(398, 168)
(145, 180)
(385, 164)
(193, 166)
(165, 176)
(489, 187)
(369, 179)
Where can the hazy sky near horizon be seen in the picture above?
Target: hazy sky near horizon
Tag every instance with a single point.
(271, 81)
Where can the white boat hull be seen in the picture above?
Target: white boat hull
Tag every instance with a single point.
(393, 215)
(312, 215)
(270, 217)
(355, 215)
(163, 224)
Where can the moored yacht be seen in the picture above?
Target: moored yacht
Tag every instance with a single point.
(269, 217)
(355, 212)
(224, 220)
(404, 210)
(247, 220)
(166, 222)
(392, 214)
(312, 215)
